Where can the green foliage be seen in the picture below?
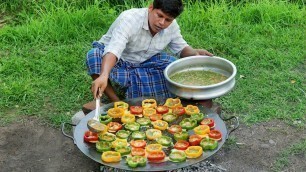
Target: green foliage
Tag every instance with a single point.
(44, 43)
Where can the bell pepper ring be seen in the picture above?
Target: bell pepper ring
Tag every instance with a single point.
(121, 104)
(197, 116)
(143, 121)
(177, 156)
(91, 137)
(169, 117)
(119, 142)
(128, 118)
(156, 157)
(155, 117)
(123, 150)
(154, 148)
(181, 145)
(138, 143)
(136, 110)
(202, 130)
(153, 134)
(123, 134)
(136, 161)
(133, 126)
(174, 129)
(138, 135)
(179, 111)
(164, 140)
(190, 109)
(111, 156)
(181, 136)
(108, 137)
(138, 152)
(115, 112)
(209, 144)
(208, 121)
(188, 123)
(160, 124)
(103, 146)
(105, 119)
(113, 127)
(149, 111)
(149, 103)
(195, 140)
(162, 109)
(215, 134)
(171, 103)
(194, 151)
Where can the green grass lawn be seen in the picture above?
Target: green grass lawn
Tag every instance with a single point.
(43, 48)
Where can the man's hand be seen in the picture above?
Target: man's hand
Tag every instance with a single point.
(189, 51)
(203, 52)
(98, 86)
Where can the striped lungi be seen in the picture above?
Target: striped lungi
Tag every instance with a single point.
(145, 79)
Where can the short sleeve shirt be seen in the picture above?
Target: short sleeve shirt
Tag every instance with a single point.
(130, 39)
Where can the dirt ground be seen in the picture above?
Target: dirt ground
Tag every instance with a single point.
(29, 145)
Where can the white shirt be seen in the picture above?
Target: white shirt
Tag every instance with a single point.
(130, 39)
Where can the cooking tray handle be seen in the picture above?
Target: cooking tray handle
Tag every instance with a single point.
(234, 125)
(63, 131)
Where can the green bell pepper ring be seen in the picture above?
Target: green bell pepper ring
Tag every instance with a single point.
(197, 116)
(136, 161)
(188, 123)
(165, 141)
(177, 156)
(169, 117)
(123, 150)
(208, 144)
(181, 136)
(138, 135)
(105, 119)
(103, 146)
(133, 126)
(123, 134)
(108, 137)
(143, 121)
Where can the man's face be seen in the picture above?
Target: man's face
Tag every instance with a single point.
(158, 20)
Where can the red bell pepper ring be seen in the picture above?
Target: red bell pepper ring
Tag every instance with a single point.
(181, 145)
(208, 121)
(179, 111)
(195, 140)
(91, 137)
(136, 110)
(162, 109)
(156, 156)
(215, 134)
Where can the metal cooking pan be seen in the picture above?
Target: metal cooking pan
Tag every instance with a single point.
(90, 150)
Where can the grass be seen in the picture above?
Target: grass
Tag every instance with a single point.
(43, 47)
(297, 150)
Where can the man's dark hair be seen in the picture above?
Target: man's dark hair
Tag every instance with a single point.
(172, 8)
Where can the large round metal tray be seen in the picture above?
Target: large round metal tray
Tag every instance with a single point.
(90, 151)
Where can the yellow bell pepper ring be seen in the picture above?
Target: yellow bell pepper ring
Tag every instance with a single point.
(149, 103)
(111, 156)
(202, 130)
(194, 151)
(121, 104)
(154, 148)
(128, 118)
(148, 112)
(153, 134)
(115, 112)
(190, 109)
(160, 124)
(119, 142)
(172, 103)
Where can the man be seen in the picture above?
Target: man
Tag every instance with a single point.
(131, 52)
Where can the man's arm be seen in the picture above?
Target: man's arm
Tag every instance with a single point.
(189, 51)
(108, 62)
